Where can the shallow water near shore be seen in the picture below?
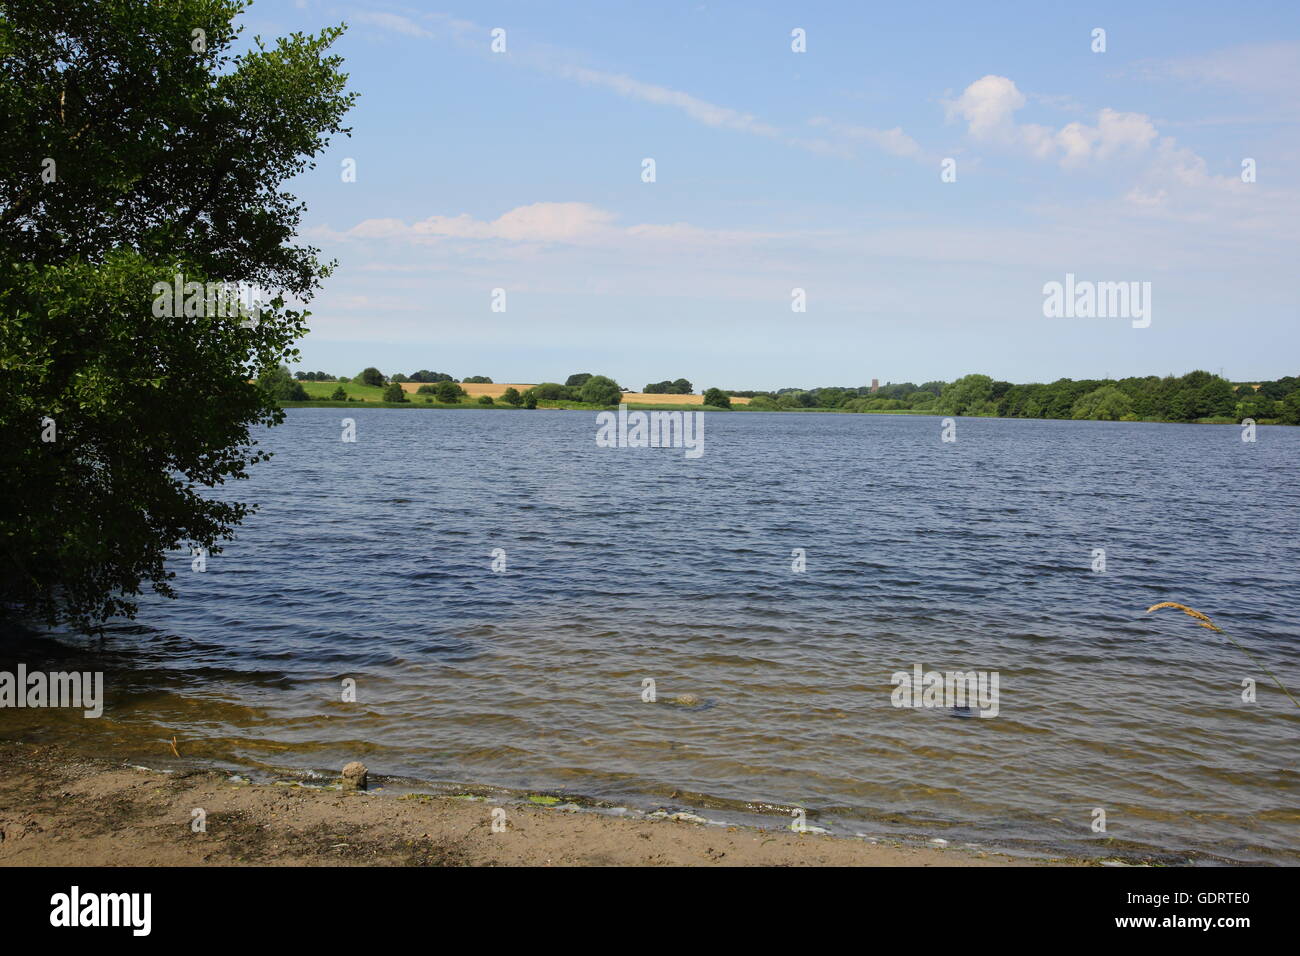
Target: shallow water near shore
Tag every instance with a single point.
(372, 561)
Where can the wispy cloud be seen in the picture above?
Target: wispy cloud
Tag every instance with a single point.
(542, 58)
(393, 22)
(1263, 68)
(893, 141)
(710, 114)
(569, 223)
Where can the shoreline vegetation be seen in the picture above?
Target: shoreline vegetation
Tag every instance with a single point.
(59, 808)
(1197, 397)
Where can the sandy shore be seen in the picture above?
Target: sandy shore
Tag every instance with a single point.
(60, 809)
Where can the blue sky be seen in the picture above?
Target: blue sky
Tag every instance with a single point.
(820, 170)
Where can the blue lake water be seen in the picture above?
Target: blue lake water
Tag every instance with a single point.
(373, 561)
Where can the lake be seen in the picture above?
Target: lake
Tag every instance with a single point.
(373, 561)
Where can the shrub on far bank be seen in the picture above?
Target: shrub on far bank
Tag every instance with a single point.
(338, 395)
(282, 385)
(485, 400)
(600, 390)
(550, 392)
(511, 396)
(530, 400)
(394, 393)
(448, 392)
(717, 397)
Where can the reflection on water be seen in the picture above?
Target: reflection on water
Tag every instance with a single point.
(372, 561)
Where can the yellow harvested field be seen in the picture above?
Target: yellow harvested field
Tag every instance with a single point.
(631, 398)
(472, 390)
(646, 398)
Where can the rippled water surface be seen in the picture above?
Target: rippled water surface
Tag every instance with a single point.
(372, 561)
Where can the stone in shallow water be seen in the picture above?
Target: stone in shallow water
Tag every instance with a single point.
(354, 776)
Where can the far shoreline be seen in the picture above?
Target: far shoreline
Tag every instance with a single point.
(577, 407)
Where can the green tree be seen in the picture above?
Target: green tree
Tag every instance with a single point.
(1289, 411)
(1257, 407)
(682, 387)
(486, 400)
(338, 395)
(281, 385)
(393, 392)
(167, 161)
(478, 380)
(551, 392)
(969, 395)
(717, 397)
(577, 380)
(600, 390)
(511, 395)
(1216, 399)
(1107, 403)
(448, 392)
(530, 399)
(371, 376)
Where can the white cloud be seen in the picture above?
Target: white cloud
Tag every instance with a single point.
(1267, 68)
(989, 105)
(393, 22)
(710, 114)
(893, 141)
(559, 63)
(570, 223)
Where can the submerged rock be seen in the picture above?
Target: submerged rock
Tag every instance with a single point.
(354, 776)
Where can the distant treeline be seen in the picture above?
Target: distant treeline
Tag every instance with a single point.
(1191, 397)
(1195, 396)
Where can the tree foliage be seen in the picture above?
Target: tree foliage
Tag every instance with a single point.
(167, 160)
(600, 390)
(717, 397)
